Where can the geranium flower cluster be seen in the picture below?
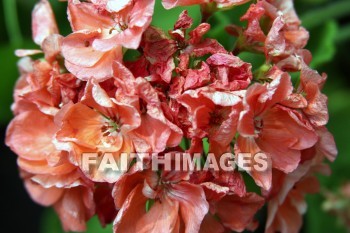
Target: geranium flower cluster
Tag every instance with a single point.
(183, 88)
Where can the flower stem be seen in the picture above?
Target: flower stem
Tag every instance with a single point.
(11, 21)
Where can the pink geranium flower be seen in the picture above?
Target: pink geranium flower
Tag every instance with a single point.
(182, 94)
(50, 178)
(177, 204)
(212, 114)
(45, 32)
(101, 29)
(286, 199)
(278, 131)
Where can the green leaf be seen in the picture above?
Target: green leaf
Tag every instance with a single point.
(332, 11)
(12, 24)
(322, 43)
(149, 204)
(220, 20)
(165, 19)
(9, 69)
(319, 221)
(257, 60)
(295, 79)
(313, 1)
(344, 34)
(205, 146)
(185, 143)
(10, 75)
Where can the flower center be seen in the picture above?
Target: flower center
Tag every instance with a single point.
(119, 27)
(216, 117)
(259, 124)
(110, 127)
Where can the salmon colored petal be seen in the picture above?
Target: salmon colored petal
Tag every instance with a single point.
(166, 213)
(117, 5)
(275, 44)
(41, 195)
(102, 70)
(105, 208)
(139, 18)
(129, 117)
(82, 125)
(246, 120)
(52, 47)
(227, 130)
(211, 225)
(77, 49)
(127, 39)
(99, 174)
(316, 109)
(133, 208)
(298, 125)
(233, 180)
(246, 123)
(283, 135)
(161, 217)
(67, 180)
(287, 7)
(248, 145)
(287, 205)
(125, 185)
(96, 97)
(75, 208)
(277, 91)
(42, 167)
(214, 192)
(32, 141)
(295, 101)
(27, 52)
(42, 99)
(236, 213)
(43, 22)
(85, 16)
(289, 220)
(156, 130)
(86, 127)
(142, 13)
(326, 144)
(84, 61)
(157, 139)
(193, 204)
(124, 78)
(284, 159)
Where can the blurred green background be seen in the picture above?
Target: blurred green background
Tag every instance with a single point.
(329, 24)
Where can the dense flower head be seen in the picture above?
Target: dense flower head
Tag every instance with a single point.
(184, 97)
